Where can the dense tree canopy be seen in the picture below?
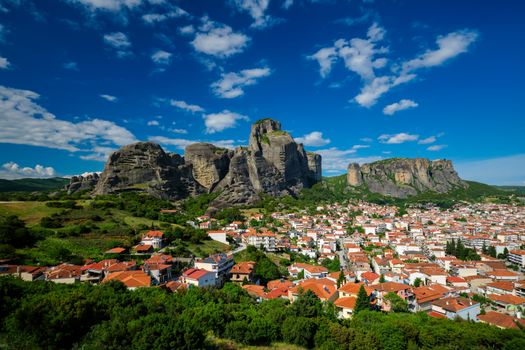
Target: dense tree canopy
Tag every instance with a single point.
(38, 315)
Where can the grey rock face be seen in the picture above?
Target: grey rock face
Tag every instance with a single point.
(81, 183)
(400, 177)
(272, 163)
(145, 167)
(210, 163)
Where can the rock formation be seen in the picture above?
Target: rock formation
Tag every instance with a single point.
(400, 177)
(273, 163)
(145, 167)
(82, 183)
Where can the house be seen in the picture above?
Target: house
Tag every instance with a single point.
(159, 272)
(116, 251)
(153, 238)
(499, 288)
(501, 320)
(352, 289)
(64, 273)
(242, 271)
(423, 297)
(453, 307)
(264, 240)
(370, 278)
(503, 275)
(220, 264)
(323, 288)
(219, 236)
(382, 289)
(509, 302)
(199, 278)
(310, 271)
(345, 307)
(255, 291)
(144, 249)
(131, 279)
(27, 273)
(517, 257)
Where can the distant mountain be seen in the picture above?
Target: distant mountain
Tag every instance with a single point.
(30, 185)
(405, 177)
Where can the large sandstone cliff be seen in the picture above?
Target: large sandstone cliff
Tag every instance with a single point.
(401, 177)
(272, 163)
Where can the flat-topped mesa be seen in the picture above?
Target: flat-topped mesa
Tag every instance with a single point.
(403, 177)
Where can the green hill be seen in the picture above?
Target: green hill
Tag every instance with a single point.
(30, 185)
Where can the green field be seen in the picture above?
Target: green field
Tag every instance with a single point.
(30, 212)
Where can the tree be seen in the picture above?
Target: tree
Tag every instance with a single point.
(417, 282)
(492, 251)
(397, 303)
(307, 305)
(484, 249)
(382, 279)
(340, 279)
(363, 301)
(299, 331)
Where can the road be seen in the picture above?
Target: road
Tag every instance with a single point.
(240, 248)
(342, 256)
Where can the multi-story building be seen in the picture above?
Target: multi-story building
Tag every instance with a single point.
(265, 240)
(517, 257)
(220, 264)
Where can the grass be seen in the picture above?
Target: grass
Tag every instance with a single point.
(208, 247)
(226, 344)
(30, 212)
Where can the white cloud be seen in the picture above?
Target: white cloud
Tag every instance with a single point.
(367, 139)
(336, 160)
(397, 138)
(108, 5)
(153, 123)
(12, 170)
(360, 146)
(508, 170)
(449, 46)
(183, 143)
(399, 106)
(219, 40)
(187, 30)
(178, 131)
(256, 9)
(426, 141)
(25, 122)
(287, 4)
(374, 89)
(120, 42)
(436, 148)
(217, 122)
(187, 107)
(314, 139)
(162, 58)
(98, 153)
(173, 12)
(232, 84)
(4, 63)
(109, 98)
(359, 55)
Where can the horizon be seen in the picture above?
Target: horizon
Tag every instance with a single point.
(368, 81)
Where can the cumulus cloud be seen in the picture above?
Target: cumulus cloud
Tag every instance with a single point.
(109, 98)
(187, 30)
(358, 55)
(217, 122)
(232, 84)
(119, 42)
(426, 141)
(314, 139)
(98, 153)
(256, 9)
(25, 122)
(436, 148)
(218, 40)
(178, 131)
(153, 123)
(365, 56)
(399, 106)
(12, 170)
(186, 106)
(397, 138)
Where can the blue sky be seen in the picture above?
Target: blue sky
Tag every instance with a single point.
(353, 80)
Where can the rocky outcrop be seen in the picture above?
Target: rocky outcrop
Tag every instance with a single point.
(401, 177)
(82, 183)
(273, 163)
(210, 164)
(145, 167)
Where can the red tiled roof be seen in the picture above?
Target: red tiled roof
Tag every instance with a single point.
(501, 320)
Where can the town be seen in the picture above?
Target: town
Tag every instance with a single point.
(467, 262)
